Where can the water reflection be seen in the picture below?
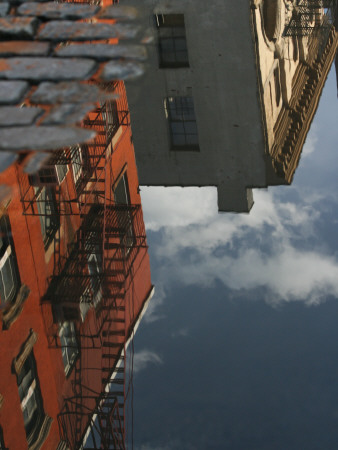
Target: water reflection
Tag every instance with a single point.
(236, 120)
(211, 369)
(75, 280)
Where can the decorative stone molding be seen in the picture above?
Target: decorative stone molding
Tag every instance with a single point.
(62, 446)
(12, 312)
(26, 349)
(44, 431)
(293, 124)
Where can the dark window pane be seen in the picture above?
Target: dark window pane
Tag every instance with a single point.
(177, 128)
(172, 40)
(178, 140)
(192, 139)
(121, 192)
(167, 45)
(190, 128)
(182, 121)
(180, 43)
(168, 58)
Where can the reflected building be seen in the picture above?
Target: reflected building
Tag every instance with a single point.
(75, 281)
(230, 93)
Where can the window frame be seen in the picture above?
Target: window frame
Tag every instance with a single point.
(77, 162)
(172, 33)
(127, 239)
(95, 282)
(110, 117)
(48, 231)
(8, 257)
(70, 349)
(31, 393)
(178, 118)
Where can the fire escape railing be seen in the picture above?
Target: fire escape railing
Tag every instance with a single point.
(88, 162)
(310, 16)
(123, 238)
(114, 252)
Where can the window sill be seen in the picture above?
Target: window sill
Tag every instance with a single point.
(185, 148)
(173, 66)
(44, 431)
(13, 311)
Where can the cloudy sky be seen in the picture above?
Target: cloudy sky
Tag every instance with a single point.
(239, 346)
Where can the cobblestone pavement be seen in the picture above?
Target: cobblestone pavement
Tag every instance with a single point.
(45, 61)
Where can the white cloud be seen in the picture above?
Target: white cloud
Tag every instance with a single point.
(259, 249)
(311, 141)
(144, 358)
(152, 314)
(172, 444)
(182, 332)
(176, 206)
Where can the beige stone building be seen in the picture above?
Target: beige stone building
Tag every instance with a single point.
(230, 92)
(295, 48)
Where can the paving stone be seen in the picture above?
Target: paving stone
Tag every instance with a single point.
(68, 113)
(66, 92)
(122, 70)
(62, 30)
(24, 48)
(12, 91)
(18, 27)
(118, 12)
(6, 160)
(46, 68)
(4, 8)
(16, 2)
(104, 51)
(42, 137)
(52, 10)
(35, 161)
(13, 115)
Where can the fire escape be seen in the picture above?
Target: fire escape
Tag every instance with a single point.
(311, 16)
(95, 243)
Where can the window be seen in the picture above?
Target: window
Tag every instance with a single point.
(76, 155)
(31, 399)
(95, 272)
(121, 196)
(48, 213)
(110, 117)
(9, 273)
(69, 346)
(182, 123)
(51, 174)
(172, 40)
(85, 304)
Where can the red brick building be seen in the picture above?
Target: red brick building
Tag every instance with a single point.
(75, 277)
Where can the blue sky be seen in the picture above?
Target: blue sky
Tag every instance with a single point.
(238, 349)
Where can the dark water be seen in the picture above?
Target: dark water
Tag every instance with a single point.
(236, 348)
(239, 347)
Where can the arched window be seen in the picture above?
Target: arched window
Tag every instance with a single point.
(271, 18)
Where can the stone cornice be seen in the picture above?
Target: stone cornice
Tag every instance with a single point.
(293, 124)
